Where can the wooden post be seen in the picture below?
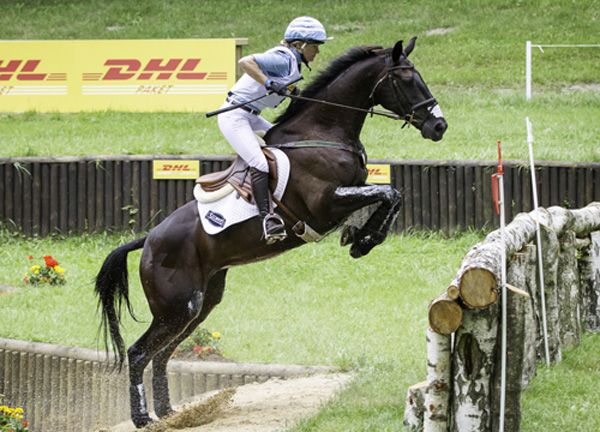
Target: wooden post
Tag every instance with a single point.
(415, 407)
(516, 308)
(568, 291)
(550, 251)
(472, 368)
(438, 383)
(589, 274)
(534, 342)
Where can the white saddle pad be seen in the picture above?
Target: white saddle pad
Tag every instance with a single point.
(219, 215)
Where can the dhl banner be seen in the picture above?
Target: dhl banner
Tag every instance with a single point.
(379, 173)
(175, 169)
(122, 75)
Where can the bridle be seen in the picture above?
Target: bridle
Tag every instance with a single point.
(429, 103)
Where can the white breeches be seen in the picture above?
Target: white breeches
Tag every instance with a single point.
(238, 127)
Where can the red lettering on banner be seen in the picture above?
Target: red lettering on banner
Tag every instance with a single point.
(114, 73)
(190, 65)
(160, 69)
(176, 167)
(155, 65)
(25, 71)
(30, 66)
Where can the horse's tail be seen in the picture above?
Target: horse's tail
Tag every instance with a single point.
(112, 288)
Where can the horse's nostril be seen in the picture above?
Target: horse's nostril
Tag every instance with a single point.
(440, 126)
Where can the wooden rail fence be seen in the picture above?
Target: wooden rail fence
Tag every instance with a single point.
(41, 196)
(72, 389)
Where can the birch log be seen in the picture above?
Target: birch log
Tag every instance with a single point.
(438, 383)
(550, 252)
(534, 341)
(517, 268)
(445, 315)
(589, 274)
(568, 291)
(480, 268)
(472, 366)
(415, 407)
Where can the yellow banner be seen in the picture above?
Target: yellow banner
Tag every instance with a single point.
(122, 75)
(178, 169)
(379, 173)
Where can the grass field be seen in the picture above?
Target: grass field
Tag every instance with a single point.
(471, 54)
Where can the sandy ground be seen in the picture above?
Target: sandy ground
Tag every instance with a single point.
(268, 407)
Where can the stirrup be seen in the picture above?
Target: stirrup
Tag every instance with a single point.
(279, 228)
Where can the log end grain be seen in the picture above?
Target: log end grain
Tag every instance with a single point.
(478, 288)
(445, 316)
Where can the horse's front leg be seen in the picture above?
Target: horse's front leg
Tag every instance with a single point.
(375, 230)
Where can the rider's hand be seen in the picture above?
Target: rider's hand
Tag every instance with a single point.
(280, 89)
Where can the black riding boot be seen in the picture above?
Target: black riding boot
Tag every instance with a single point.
(273, 225)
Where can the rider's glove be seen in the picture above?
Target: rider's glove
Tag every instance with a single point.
(280, 89)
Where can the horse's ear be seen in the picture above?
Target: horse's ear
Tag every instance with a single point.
(410, 46)
(397, 51)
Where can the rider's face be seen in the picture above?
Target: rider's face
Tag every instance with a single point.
(310, 51)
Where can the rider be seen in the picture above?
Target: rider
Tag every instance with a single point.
(267, 75)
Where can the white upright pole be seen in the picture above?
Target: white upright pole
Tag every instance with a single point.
(528, 70)
(504, 303)
(538, 240)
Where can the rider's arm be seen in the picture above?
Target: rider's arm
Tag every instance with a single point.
(249, 66)
(263, 66)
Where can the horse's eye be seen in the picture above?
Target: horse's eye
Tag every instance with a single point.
(406, 74)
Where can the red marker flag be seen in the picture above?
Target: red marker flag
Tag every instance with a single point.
(495, 182)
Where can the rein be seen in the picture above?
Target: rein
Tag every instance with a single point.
(371, 111)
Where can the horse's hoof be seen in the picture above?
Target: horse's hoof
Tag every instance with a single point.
(162, 413)
(141, 420)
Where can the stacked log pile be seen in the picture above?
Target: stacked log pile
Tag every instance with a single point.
(462, 389)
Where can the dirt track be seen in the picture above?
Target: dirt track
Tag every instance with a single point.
(268, 407)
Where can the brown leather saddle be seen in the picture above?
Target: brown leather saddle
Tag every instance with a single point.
(238, 176)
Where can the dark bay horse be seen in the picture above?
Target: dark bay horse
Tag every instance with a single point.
(183, 269)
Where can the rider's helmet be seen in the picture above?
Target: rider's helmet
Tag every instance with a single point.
(306, 29)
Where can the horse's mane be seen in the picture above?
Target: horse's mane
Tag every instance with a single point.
(335, 68)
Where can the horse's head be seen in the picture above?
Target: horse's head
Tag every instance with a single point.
(402, 90)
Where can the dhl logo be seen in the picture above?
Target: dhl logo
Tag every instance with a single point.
(176, 167)
(377, 172)
(156, 69)
(25, 70)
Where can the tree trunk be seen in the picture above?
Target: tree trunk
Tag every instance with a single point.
(568, 291)
(533, 328)
(445, 315)
(589, 273)
(415, 407)
(472, 367)
(515, 327)
(438, 383)
(550, 252)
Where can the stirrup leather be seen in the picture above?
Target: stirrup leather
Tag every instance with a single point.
(277, 232)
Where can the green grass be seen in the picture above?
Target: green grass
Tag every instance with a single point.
(476, 71)
(314, 305)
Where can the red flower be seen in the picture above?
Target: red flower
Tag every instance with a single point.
(30, 257)
(50, 262)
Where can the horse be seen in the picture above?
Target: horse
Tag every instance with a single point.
(183, 269)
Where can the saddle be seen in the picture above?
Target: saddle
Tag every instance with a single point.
(237, 176)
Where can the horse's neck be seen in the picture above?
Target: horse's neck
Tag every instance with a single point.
(338, 124)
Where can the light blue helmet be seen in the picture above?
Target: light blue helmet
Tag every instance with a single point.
(306, 29)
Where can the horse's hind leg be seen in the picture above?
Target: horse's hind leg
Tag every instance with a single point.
(159, 334)
(160, 385)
